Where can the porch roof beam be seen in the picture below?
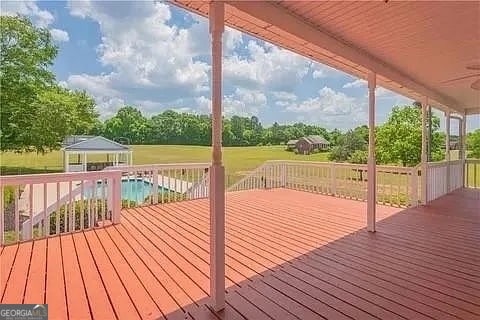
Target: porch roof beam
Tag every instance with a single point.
(289, 23)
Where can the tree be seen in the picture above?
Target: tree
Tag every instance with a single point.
(58, 113)
(25, 55)
(347, 144)
(36, 114)
(127, 123)
(473, 144)
(399, 139)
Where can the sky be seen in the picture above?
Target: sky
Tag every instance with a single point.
(156, 57)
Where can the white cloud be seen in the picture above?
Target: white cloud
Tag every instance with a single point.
(40, 18)
(323, 71)
(282, 95)
(244, 102)
(267, 67)
(359, 83)
(59, 35)
(330, 108)
(204, 105)
(150, 59)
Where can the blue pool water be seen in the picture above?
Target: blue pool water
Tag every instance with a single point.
(136, 190)
(132, 189)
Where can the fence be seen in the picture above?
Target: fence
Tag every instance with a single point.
(437, 182)
(41, 205)
(162, 183)
(397, 186)
(472, 173)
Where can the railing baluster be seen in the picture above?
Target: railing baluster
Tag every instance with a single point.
(57, 208)
(82, 205)
(30, 204)
(2, 215)
(95, 205)
(103, 201)
(71, 206)
(17, 214)
(45, 224)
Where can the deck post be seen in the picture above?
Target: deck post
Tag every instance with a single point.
(463, 147)
(447, 149)
(372, 166)
(66, 160)
(424, 152)
(84, 161)
(217, 171)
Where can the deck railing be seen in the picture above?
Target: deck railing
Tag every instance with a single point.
(162, 183)
(397, 186)
(35, 206)
(437, 182)
(472, 173)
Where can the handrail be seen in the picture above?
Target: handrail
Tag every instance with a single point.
(77, 205)
(236, 186)
(395, 185)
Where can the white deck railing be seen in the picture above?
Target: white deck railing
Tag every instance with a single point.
(48, 204)
(437, 183)
(162, 183)
(472, 173)
(398, 186)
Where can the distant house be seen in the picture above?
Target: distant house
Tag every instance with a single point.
(291, 145)
(310, 144)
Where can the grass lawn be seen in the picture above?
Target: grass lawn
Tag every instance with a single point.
(237, 159)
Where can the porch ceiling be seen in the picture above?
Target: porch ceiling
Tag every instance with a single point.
(417, 49)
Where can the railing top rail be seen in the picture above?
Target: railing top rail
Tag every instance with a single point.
(442, 163)
(159, 166)
(472, 160)
(57, 177)
(340, 164)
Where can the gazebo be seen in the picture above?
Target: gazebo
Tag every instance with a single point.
(82, 146)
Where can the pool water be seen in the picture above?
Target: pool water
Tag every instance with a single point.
(132, 190)
(136, 190)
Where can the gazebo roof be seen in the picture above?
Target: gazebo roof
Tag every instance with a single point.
(97, 143)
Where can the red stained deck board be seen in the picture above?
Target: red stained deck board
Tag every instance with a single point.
(97, 295)
(6, 263)
(290, 255)
(18, 278)
(121, 301)
(77, 302)
(145, 304)
(35, 290)
(55, 288)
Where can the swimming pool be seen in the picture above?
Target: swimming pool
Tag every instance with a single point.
(133, 189)
(136, 190)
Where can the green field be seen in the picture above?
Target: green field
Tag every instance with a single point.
(237, 159)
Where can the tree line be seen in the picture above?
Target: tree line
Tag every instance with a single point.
(170, 127)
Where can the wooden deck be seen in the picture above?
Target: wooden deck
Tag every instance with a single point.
(290, 255)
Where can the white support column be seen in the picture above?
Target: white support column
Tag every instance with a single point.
(66, 160)
(84, 162)
(131, 158)
(464, 137)
(217, 171)
(463, 146)
(372, 166)
(424, 151)
(447, 149)
(115, 162)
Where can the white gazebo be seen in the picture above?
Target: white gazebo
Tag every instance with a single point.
(82, 146)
